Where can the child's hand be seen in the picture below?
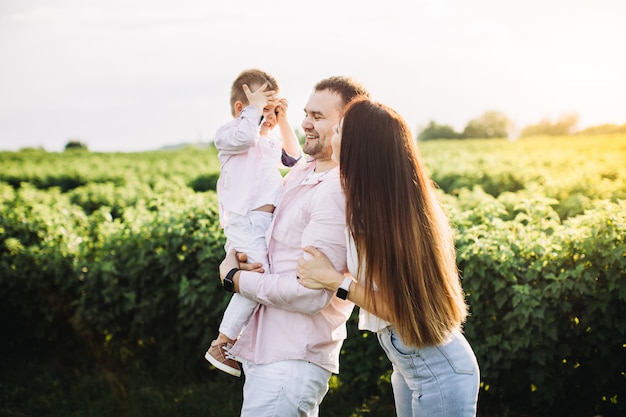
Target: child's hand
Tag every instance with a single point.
(260, 98)
(281, 110)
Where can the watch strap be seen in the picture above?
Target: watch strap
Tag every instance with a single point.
(228, 280)
(344, 288)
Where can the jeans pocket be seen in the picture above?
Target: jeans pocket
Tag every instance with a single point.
(399, 346)
(460, 356)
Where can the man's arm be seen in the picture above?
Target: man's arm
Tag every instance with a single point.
(326, 231)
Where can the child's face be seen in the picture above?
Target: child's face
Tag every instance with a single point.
(269, 122)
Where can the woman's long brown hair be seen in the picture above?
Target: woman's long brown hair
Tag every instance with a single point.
(403, 237)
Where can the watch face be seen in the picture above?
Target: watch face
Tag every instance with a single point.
(342, 293)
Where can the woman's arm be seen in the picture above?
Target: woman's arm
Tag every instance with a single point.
(318, 272)
(279, 291)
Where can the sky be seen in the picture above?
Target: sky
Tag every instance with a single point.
(137, 75)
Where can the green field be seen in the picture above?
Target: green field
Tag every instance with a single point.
(108, 281)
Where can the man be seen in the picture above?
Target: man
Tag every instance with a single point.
(291, 345)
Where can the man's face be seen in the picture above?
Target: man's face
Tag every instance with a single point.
(322, 113)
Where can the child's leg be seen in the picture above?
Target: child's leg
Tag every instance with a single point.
(222, 338)
(236, 316)
(248, 236)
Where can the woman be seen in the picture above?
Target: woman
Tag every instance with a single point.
(401, 250)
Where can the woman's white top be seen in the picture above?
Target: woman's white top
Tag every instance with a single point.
(367, 321)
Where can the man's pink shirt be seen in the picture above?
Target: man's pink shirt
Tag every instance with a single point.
(294, 322)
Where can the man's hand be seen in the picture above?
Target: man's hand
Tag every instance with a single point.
(229, 262)
(238, 260)
(245, 266)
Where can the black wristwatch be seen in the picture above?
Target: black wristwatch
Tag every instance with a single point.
(228, 280)
(344, 288)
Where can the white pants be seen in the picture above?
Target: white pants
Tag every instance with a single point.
(290, 388)
(246, 234)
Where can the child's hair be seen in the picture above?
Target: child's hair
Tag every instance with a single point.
(254, 78)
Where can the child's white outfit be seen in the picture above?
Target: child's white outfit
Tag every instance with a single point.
(249, 178)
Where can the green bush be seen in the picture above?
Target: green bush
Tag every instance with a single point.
(139, 293)
(110, 289)
(206, 182)
(547, 306)
(153, 277)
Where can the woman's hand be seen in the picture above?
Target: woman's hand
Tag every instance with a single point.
(318, 272)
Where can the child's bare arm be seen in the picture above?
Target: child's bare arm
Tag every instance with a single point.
(290, 141)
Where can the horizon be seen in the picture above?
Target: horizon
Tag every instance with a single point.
(133, 76)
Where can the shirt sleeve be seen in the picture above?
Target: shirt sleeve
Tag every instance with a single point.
(282, 291)
(240, 134)
(288, 160)
(325, 231)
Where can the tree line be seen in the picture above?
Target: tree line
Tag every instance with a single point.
(490, 124)
(495, 124)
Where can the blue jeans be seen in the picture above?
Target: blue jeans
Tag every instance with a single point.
(435, 381)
